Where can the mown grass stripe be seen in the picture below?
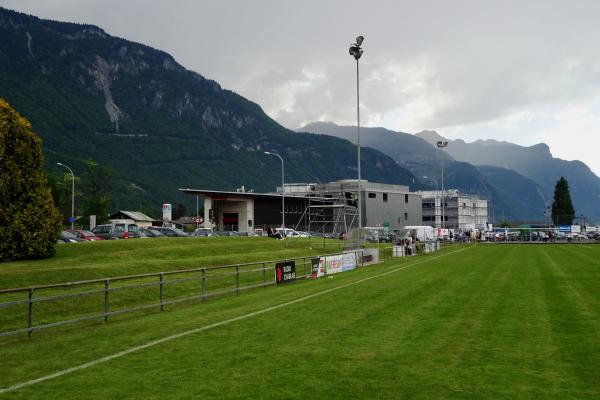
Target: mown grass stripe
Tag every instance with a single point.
(212, 326)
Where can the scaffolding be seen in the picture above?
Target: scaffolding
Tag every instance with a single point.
(332, 213)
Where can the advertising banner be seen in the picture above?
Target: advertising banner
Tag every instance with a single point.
(285, 272)
(318, 268)
(564, 228)
(333, 264)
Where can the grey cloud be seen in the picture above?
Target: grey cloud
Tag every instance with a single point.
(435, 63)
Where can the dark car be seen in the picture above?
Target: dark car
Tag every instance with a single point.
(85, 235)
(117, 231)
(68, 237)
(150, 232)
(171, 232)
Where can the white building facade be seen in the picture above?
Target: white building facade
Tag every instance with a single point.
(462, 212)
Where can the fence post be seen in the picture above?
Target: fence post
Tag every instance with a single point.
(304, 265)
(162, 307)
(106, 300)
(237, 279)
(30, 313)
(264, 274)
(203, 283)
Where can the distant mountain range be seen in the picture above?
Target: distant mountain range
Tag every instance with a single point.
(534, 162)
(518, 180)
(158, 126)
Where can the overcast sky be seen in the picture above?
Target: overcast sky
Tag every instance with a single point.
(522, 71)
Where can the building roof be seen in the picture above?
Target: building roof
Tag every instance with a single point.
(134, 215)
(216, 193)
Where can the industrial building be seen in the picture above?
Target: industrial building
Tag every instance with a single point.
(328, 207)
(461, 212)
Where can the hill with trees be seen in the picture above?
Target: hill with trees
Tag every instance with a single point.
(154, 124)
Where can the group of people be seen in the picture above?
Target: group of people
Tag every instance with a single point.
(274, 233)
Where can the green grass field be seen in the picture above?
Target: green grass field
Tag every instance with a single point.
(485, 321)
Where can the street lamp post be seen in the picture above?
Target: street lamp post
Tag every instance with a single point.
(282, 192)
(441, 145)
(72, 219)
(356, 51)
(437, 188)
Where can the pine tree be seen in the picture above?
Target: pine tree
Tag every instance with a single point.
(562, 208)
(29, 221)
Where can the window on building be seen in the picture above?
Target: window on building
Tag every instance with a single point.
(406, 198)
(372, 195)
(385, 197)
(399, 220)
(406, 216)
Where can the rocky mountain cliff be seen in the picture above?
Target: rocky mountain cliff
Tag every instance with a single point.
(157, 125)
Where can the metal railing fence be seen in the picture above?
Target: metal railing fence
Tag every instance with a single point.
(71, 302)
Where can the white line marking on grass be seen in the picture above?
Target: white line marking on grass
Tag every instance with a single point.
(207, 327)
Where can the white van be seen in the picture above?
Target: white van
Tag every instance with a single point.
(422, 232)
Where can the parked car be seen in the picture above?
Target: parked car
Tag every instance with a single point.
(227, 233)
(85, 235)
(171, 232)
(150, 233)
(68, 237)
(204, 232)
(117, 231)
(291, 233)
(246, 234)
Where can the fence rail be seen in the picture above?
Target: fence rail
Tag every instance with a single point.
(200, 284)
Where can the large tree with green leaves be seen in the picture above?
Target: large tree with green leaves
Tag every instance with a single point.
(562, 208)
(95, 187)
(29, 221)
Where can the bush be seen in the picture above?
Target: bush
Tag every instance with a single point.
(29, 221)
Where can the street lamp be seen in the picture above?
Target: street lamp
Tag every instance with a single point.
(441, 145)
(356, 51)
(72, 219)
(282, 192)
(437, 195)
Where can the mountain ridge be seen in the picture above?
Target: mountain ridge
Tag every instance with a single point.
(157, 125)
(419, 154)
(535, 162)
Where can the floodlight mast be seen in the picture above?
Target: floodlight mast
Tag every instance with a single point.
(441, 144)
(356, 51)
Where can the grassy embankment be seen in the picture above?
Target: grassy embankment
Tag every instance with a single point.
(107, 259)
(494, 322)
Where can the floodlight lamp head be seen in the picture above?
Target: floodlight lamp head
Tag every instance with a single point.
(442, 144)
(359, 40)
(266, 152)
(355, 51)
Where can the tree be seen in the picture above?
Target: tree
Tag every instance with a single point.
(179, 212)
(95, 187)
(562, 208)
(29, 221)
